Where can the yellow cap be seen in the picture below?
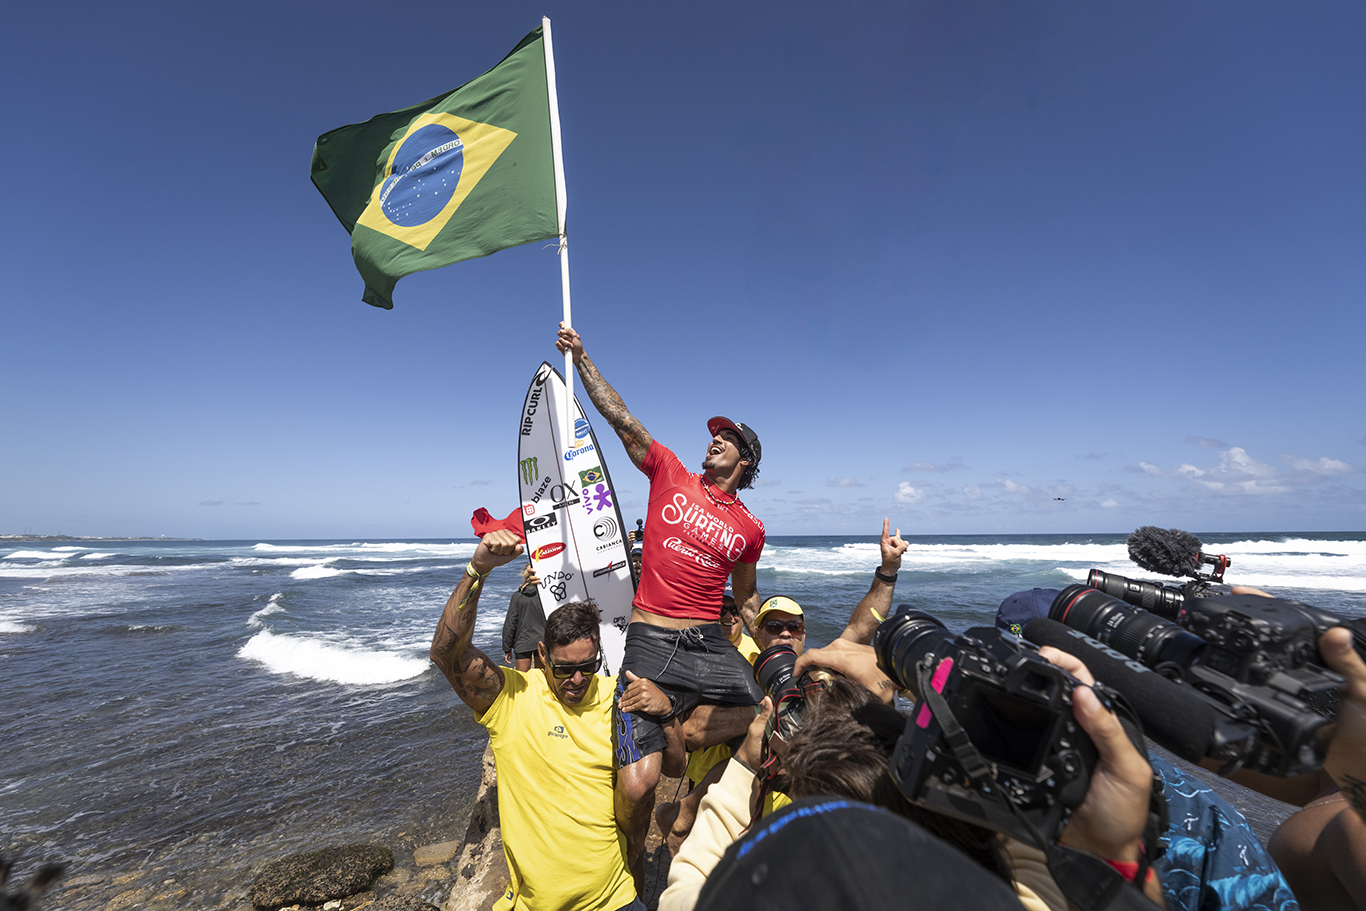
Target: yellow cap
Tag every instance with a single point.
(786, 605)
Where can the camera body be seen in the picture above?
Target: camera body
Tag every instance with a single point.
(995, 742)
(1256, 656)
(773, 670)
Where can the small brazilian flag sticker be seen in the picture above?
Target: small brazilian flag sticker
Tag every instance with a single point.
(591, 476)
(459, 176)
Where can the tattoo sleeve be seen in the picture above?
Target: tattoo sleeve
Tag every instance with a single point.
(476, 679)
(609, 404)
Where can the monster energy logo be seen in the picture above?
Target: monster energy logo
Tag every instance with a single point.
(529, 470)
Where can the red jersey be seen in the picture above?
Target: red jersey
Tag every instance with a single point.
(695, 534)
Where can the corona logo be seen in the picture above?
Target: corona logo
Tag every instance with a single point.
(530, 473)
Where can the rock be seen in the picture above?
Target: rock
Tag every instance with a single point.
(401, 903)
(318, 876)
(483, 870)
(427, 855)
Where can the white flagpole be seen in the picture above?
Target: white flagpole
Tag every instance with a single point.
(567, 411)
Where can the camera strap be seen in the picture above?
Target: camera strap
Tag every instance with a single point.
(1089, 883)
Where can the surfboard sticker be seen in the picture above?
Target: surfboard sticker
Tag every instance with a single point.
(575, 535)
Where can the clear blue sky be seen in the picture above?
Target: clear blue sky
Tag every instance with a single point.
(951, 260)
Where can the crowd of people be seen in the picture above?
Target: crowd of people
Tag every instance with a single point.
(813, 817)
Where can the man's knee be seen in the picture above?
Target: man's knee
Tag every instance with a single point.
(637, 780)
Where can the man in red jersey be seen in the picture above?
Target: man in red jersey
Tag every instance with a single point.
(698, 534)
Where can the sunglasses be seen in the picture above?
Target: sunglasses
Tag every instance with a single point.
(565, 671)
(732, 611)
(776, 627)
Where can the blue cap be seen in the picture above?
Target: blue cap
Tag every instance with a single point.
(1021, 607)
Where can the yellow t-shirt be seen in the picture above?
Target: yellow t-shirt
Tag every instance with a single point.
(554, 762)
(748, 647)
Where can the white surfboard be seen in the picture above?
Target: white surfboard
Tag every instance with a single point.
(574, 531)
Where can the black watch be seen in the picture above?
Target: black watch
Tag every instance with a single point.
(890, 580)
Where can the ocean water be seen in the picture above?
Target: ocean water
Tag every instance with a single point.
(201, 708)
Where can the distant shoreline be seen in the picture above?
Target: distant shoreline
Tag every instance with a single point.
(30, 538)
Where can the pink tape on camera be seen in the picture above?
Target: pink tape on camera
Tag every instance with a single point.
(941, 674)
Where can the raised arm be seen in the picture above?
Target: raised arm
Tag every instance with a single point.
(872, 610)
(476, 678)
(633, 435)
(743, 582)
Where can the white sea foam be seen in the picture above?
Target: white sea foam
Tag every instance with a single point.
(10, 626)
(359, 548)
(273, 606)
(317, 659)
(97, 556)
(67, 548)
(32, 555)
(317, 571)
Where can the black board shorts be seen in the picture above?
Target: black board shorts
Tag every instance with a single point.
(692, 665)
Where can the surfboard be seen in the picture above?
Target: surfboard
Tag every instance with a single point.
(575, 535)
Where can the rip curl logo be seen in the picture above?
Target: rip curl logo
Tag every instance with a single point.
(703, 527)
(557, 731)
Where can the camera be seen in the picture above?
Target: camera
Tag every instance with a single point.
(1256, 656)
(773, 670)
(992, 739)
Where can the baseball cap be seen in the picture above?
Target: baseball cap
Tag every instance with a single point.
(718, 424)
(1018, 609)
(830, 852)
(786, 605)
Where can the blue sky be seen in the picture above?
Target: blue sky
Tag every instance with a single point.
(951, 260)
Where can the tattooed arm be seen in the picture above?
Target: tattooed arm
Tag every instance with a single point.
(476, 678)
(744, 583)
(633, 435)
(877, 604)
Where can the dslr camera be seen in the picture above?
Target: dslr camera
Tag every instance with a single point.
(773, 670)
(1256, 656)
(992, 739)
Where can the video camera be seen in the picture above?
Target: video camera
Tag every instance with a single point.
(992, 739)
(1257, 657)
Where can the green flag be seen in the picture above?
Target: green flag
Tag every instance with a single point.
(462, 175)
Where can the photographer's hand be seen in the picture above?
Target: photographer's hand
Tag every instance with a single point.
(751, 751)
(1110, 821)
(853, 660)
(1346, 759)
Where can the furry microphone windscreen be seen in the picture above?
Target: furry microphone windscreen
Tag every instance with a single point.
(1169, 551)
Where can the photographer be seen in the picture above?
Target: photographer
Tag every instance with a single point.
(828, 755)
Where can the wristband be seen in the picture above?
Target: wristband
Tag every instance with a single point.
(471, 571)
(890, 580)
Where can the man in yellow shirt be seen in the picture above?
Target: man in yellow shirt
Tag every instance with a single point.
(551, 731)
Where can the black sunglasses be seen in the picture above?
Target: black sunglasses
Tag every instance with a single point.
(730, 609)
(776, 627)
(565, 671)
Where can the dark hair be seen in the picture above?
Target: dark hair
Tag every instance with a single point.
(751, 470)
(844, 747)
(570, 623)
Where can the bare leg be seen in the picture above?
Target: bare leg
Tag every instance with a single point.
(707, 725)
(523, 664)
(634, 800)
(676, 818)
(675, 761)
(1322, 852)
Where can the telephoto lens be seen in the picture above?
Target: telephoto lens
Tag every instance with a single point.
(1158, 599)
(903, 640)
(1137, 633)
(773, 670)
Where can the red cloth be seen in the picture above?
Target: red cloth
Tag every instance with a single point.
(692, 540)
(483, 523)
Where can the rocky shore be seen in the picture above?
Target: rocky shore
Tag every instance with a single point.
(462, 875)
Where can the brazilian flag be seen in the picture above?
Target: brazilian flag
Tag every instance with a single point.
(462, 175)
